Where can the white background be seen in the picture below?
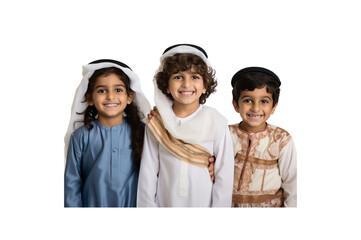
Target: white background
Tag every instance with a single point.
(313, 46)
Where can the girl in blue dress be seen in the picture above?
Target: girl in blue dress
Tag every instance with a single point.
(104, 141)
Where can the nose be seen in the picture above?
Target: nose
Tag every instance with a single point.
(255, 106)
(186, 82)
(110, 95)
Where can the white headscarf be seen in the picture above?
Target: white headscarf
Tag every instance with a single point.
(207, 125)
(79, 103)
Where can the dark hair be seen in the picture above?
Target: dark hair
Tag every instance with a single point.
(250, 81)
(132, 113)
(183, 62)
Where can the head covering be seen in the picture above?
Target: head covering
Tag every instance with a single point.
(184, 48)
(243, 71)
(79, 103)
(200, 128)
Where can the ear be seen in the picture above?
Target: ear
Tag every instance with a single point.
(274, 108)
(89, 99)
(168, 90)
(235, 105)
(130, 97)
(205, 86)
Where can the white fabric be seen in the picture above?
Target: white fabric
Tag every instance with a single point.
(287, 163)
(199, 129)
(79, 103)
(185, 49)
(160, 181)
(183, 176)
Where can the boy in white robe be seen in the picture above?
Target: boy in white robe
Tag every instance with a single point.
(170, 174)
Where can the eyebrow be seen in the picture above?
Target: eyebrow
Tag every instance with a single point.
(105, 86)
(252, 97)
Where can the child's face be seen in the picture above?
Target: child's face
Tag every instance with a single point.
(186, 87)
(110, 99)
(255, 107)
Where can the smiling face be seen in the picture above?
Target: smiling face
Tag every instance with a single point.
(186, 87)
(255, 107)
(110, 98)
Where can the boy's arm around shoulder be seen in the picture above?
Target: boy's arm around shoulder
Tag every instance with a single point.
(148, 173)
(73, 181)
(288, 169)
(223, 171)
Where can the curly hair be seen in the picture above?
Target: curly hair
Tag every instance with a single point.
(132, 113)
(183, 62)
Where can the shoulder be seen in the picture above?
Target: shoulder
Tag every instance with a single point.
(233, 127)
(127, 122)
(81, 132)
(234, 130)
(216, 116)
(211, 110)
(278, 131)
(280, 135)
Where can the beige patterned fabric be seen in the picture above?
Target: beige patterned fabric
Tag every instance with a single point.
(191, 153)
(258, 181)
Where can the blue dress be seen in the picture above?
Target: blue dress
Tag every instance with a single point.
(99, 171)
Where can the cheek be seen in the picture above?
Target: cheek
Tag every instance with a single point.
(243, 108)
(170, 87)
(243, 111)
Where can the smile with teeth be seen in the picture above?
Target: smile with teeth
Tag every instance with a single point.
(255, 117)
(186, 93)
(110, 105)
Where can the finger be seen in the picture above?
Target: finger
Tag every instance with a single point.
(153, 113)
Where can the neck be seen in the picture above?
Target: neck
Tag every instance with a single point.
(184, 110)
(110, 122)
(247, 128)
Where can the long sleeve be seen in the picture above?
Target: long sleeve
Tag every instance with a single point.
(223, 171)
(148, 174)
(288, 170)
(72, 178)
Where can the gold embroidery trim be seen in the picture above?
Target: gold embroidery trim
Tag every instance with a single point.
(256, 160)
(242, 199)
(191, 153)
(264, 175)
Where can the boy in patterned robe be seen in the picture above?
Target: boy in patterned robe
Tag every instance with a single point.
(265, 168)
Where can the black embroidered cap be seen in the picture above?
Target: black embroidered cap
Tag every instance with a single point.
(243, 71)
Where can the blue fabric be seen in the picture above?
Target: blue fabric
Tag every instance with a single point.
(99, 171)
